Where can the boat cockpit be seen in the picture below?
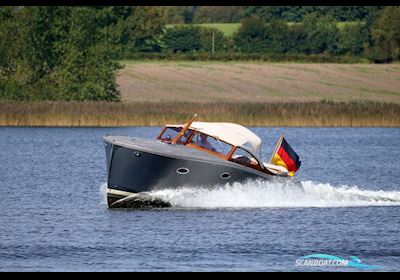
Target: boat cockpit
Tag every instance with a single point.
(228, 141)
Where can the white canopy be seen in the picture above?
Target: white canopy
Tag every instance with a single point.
(233, 134)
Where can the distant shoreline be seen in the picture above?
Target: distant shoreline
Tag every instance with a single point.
(106, 114)
(251, 94)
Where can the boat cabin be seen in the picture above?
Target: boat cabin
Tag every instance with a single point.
(228, 141)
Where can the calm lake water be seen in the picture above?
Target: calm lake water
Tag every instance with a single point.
(54, 215)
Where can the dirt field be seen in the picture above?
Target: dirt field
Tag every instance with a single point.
(258, 82)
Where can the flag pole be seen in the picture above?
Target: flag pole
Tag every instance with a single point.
(276, 147)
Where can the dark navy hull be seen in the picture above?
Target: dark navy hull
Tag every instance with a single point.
(136, 166)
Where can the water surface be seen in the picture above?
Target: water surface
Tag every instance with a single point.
(54, 215)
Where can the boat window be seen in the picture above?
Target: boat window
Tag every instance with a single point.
(171, 132)
(186, 135)
(243, 157)
(211, 143)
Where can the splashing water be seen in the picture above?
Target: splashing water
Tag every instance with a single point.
(262, 194)
(259, 194)
(103, 193)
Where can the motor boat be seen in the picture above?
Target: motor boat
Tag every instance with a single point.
(191, 154)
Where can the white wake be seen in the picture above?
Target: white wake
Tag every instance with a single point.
(261, 194)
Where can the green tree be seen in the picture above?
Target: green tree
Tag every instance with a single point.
(266, 13)
(133, 29)
(206, 39)
(69, 56)
(298, 13)
(8, 27)
(252, 36)
(14, 73)
(296, 39)
(189, 13)
(386, 35)
(68, 53)
(322, 34)
(218, 14)
(183, 38)
(279, 34)
(353, 38)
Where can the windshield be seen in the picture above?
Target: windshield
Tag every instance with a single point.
(171, 132)
(212, 144)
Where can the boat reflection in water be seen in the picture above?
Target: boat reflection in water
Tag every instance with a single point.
(191, 154)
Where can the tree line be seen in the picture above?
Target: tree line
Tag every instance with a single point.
(71, 53)
(232, 14)
(376, 37)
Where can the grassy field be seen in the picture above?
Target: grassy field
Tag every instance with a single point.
(227, 28)
(254, 82)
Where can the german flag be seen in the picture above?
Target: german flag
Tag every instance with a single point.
(285, 156)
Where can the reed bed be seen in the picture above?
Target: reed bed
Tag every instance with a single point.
(310, 114)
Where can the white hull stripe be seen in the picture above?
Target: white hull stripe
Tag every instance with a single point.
(118, 192)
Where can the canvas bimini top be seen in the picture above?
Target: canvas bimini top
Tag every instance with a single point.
(231, 133)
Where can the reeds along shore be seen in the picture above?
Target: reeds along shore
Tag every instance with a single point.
(313, 114)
